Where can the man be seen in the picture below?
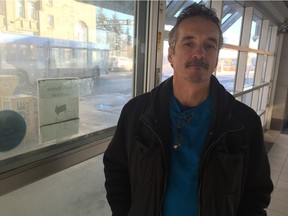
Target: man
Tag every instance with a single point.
(188, 147)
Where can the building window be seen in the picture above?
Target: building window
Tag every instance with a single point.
(80, 31)
(50, 2)
(2, 7)
(232, 18)
(50, 21)
(20, 8)
(31, 10)
(255, 32)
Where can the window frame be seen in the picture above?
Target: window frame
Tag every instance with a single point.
(20, 170)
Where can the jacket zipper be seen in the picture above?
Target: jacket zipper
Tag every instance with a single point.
(165, 159)
(201, 165)
(204, 158)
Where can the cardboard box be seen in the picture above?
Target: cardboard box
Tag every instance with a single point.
(26, 106)
(8, 84)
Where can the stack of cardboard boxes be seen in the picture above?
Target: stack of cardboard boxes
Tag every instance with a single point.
(8, 85)
(21, 103)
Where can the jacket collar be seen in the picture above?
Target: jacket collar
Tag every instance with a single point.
(223, 108)
(158, 112)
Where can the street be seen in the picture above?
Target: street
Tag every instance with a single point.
(101, 100)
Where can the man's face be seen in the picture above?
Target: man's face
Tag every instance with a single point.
(196, 50)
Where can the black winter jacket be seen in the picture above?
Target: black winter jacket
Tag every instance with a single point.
(234, 173)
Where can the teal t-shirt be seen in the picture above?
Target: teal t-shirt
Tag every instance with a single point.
(189, 130)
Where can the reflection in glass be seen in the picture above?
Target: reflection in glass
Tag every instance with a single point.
(255, 32)
(232, 17)
(95, 47)
(226, 68)
(250, 70)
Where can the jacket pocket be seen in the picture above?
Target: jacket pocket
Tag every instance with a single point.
(145, 159)
(146, 177)
(231, 166)
(222, 184)
(231, 203)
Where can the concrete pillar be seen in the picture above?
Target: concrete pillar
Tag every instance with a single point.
(279, 119)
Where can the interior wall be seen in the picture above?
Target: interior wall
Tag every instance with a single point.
(280, 106)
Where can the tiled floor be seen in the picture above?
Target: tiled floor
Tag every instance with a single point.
(278, 157)
(79, 190)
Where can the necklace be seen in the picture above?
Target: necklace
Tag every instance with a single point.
(184, 119)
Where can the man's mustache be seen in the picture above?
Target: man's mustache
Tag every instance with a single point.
(199, 63)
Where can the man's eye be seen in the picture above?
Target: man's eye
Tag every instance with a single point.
(188, 44)
(210, 46)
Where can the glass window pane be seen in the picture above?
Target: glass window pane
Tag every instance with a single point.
(95, 48)
(226, 68)
(247, 98)
(255, 32)
(31, 10)
(19, 8)
(232, 17)
(49, 2)
(167, 70)
(250, 70)
(173, 8)
(50, 21)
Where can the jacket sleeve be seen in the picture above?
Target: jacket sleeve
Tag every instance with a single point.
(258, 185)
(117, 182)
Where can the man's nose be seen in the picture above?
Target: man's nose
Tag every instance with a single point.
(199, 52)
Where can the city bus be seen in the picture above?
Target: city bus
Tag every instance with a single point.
(33, 57)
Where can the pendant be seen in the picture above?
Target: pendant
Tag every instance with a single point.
(176, 146)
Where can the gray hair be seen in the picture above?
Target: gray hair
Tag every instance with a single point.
(195, 9)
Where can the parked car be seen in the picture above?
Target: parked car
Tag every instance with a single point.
(120, 64)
